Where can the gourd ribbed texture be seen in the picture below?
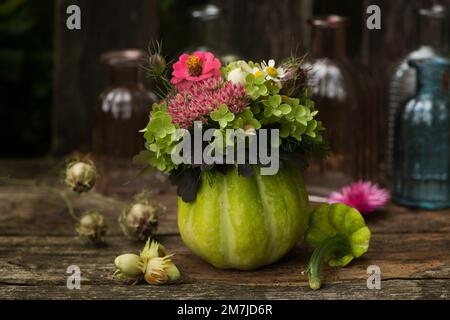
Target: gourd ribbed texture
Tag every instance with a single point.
(245, 223)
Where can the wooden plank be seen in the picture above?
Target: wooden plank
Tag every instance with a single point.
(43, 261)
(25, 210)
(398, 289)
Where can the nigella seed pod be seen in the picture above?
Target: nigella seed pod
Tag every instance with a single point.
(157, 64)
(129, 266)
(161, 271)
(139, 220)
(296, 79)
(81, 176)
(92, 227)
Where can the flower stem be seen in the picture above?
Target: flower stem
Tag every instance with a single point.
(33, 183)
(321, 255)
(19, 182)
(66, 199)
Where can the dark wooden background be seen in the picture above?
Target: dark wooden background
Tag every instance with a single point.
(79, 76)
(259, 29)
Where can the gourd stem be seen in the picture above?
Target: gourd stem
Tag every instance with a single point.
(322, 254)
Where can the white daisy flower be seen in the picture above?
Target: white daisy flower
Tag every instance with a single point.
(272, 73)
(257, 72)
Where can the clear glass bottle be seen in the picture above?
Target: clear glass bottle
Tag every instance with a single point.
(422, 140)
(208, 33)
(123, 110)
(432, 42)
(342, 99)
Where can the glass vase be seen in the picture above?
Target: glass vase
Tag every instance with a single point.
(342, 97)
(422, 152)
(432, 43)
(123, 110)
(208, 32)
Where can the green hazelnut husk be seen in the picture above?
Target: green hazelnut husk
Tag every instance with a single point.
(152, 265)
(129, 266)
(161, 270)
(152, 250)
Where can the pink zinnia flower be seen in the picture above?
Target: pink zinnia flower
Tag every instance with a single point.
(196, 67)
(365, 197)
(197, 102)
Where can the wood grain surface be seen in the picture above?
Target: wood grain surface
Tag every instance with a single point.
(38, 243)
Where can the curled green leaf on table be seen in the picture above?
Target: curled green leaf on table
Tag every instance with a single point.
(339, 234)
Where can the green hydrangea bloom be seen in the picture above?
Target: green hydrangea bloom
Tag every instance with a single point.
(223, 116)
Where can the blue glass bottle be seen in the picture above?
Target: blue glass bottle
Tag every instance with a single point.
(432, 42)
(422, 153)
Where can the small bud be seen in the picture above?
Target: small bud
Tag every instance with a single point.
(81, 176)
(139, 220)
(92, 226)
(129, 266)
(161, 271)
(157, 64)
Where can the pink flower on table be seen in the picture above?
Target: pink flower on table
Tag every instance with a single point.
(365, 197)
(196, 67)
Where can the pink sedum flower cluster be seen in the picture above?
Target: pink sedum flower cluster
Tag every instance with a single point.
(204, 97)
(193, 68)
(365, 197)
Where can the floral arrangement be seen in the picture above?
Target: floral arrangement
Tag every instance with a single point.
(198, 92)
(242, 95)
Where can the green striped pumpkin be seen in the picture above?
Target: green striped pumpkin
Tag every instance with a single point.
(245, 223)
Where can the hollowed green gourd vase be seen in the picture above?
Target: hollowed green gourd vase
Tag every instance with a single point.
(245, 223)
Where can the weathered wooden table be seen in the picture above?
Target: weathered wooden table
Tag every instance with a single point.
(38, 244)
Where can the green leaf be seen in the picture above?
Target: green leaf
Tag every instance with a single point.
(250, 79)
(277, 112)
(285, 108)
(259, 80)
(285, 131)
(262, 90)
(254, 123)
(275, 100)
(223, 116)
